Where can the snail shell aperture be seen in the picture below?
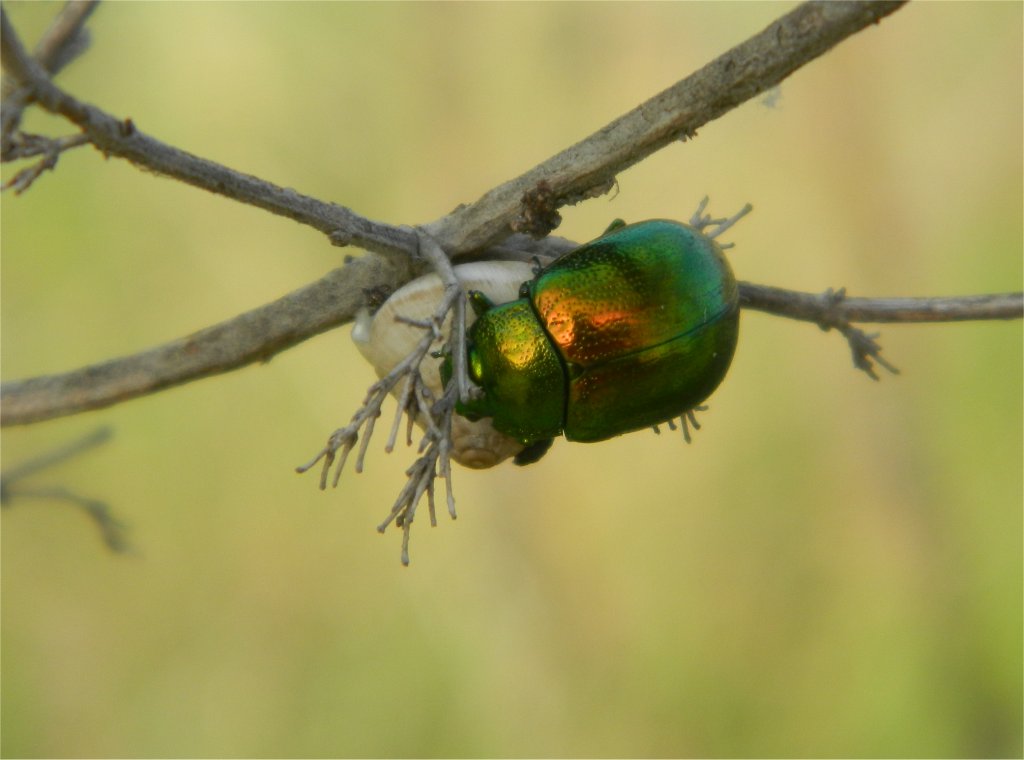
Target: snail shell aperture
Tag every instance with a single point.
(384, 342)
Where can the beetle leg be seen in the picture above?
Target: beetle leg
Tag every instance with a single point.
(404, 405)
(533, 452)
(687, 418)
(725, 224)
(698, 219)
(454, 301)
(688, 415)
(701, 221)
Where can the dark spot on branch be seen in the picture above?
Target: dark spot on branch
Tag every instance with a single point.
(340, 238)
(374, 297)
(538, 211)
(830, 316)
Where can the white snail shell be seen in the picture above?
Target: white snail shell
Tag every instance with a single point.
(385, 342)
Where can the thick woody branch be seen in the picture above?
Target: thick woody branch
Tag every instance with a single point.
(248, 338)
(254, 336)
(333, 300)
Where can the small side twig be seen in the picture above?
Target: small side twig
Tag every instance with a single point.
(111, 529)
(25, 145)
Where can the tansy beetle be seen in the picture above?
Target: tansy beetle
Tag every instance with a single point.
(633, 329)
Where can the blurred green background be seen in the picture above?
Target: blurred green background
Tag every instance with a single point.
(833, 568)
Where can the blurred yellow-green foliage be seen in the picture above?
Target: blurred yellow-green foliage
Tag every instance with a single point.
(833, 568)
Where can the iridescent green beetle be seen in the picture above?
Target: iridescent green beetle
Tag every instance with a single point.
(633, 329)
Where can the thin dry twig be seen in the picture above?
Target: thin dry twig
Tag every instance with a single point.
(112, 530)
(833, 309)
(65, 39)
